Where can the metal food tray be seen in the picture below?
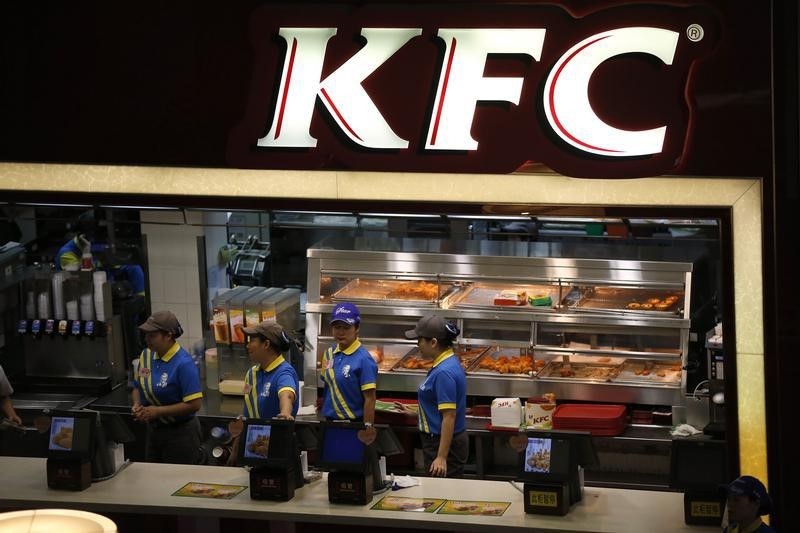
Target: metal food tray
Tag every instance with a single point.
(482, 295)
(367, 291)
(413, 355)
(582, 371)
(628, 372)
(467, 361)
(469, 355)
(620, 299)
(390, 354)
(497, 354)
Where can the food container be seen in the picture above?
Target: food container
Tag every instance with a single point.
(506, 413)
(387, 355)
(539, 412)
(505, 361)
(607, 420)
(653, 372)
(579, 371)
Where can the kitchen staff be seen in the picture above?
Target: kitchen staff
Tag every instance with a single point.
(70, 256)
(271, 386)
(350, 377)
(442, 399)
(167, 393)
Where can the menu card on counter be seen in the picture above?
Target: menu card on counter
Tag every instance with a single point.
(396, 503)
(209, 490)
(466, 507)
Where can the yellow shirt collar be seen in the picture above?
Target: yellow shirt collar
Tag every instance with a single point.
(274, 364)
(442, 356)
(352, 348)
(172, 351)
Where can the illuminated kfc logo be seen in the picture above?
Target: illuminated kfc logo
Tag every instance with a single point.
(549, 109)
(461, 86)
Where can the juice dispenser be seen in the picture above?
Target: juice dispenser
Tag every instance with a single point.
(222, 329)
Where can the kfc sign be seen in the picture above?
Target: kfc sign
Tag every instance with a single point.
(487, 96)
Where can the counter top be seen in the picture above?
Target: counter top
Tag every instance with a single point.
(148, 488)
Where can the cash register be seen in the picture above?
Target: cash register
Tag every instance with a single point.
(267, 446)
(70, 449)
(551, 469)
(344, 456)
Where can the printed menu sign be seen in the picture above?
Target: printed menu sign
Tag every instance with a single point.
(209, 490)
(465, 507)
(420, 505)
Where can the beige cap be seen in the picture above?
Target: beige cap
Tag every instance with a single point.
(163, 321)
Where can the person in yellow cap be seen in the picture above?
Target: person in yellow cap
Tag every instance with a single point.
(167, 393)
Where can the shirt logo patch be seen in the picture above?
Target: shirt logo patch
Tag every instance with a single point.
(144, 372)
(163, 382)
(329, 363)
(247, 388)
(346, 371)
(265, 392)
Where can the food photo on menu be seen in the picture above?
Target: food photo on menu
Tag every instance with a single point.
(257, 442)
(537, 455)
(61, 432)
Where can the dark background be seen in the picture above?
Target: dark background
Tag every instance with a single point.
(191, 83)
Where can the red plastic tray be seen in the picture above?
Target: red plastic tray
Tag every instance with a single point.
(598, 419)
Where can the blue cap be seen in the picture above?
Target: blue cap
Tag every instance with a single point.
(347, 313)
(753, 489)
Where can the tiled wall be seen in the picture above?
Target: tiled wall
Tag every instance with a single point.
(173, 268)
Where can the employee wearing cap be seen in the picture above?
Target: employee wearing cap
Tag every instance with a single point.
(748, 501)
(271, 386)
(442, 399)
(167, 393)
(349, 372)
(350, 376)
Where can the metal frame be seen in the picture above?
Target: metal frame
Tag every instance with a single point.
(403, 260)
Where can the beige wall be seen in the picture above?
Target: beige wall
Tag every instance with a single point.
(742, 196)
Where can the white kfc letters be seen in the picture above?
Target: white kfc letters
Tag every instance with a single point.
(462, 85)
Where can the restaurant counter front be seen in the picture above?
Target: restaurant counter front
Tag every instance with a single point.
(148, 489)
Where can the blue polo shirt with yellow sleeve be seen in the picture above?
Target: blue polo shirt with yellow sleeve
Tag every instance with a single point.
(264, 385)
(168, 380)
(347, 374)
(445, 387)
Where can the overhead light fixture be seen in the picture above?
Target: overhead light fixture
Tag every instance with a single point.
(314, 212)
(490, 217)
(398, 215)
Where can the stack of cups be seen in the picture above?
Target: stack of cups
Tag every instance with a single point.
(99, 278)
(30, 305)
(72, 310)
(87, 306)
(58, 295)
(43, 304)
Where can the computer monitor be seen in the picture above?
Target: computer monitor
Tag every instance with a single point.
(340, 449)
(554, 456)
(266, 442)
(72, 435)
(698, 464)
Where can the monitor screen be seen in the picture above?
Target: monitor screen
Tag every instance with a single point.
(698, 464)
(72, 434)
(266, 442)
(340, 448)
(550, 456)
(537, 455)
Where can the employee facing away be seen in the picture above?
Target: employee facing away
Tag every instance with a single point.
(76, 254)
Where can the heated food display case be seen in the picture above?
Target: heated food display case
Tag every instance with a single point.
(534, 317)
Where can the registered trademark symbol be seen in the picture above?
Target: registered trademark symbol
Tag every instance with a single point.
(695, 32)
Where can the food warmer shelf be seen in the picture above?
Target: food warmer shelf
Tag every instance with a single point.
(598, 310)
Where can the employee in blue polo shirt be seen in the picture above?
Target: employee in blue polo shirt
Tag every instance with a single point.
(442, 399)
(167, 393)
(271, 386)
(350, 377)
